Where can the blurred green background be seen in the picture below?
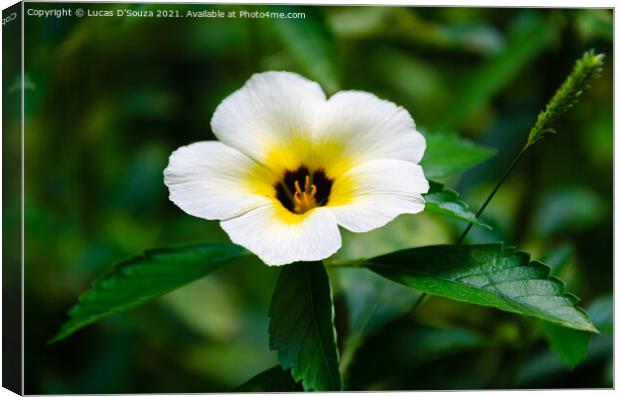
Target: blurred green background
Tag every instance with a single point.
(108, 99)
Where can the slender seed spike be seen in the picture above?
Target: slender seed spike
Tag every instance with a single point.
(586, 68)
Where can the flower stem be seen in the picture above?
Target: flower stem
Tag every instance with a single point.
(512, 165)
(586, 68)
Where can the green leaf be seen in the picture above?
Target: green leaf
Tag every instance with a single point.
(443, 201)
(532, 36)
(138, 280)
(302, 326)
(448, 154)
(570, 345)
(272, 380)
(309, 44)
(487, 275)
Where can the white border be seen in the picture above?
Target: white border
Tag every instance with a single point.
(479, 3)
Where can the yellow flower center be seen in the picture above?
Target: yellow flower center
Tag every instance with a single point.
(304, 200)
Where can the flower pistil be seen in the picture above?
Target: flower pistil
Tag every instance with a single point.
(304, 200)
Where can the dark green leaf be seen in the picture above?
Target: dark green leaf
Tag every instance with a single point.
(302, 326)
(309, 44)
(487, 275)
(272, 380)
(443, 201)
(449, 154)
(570, 345)
(143, 278)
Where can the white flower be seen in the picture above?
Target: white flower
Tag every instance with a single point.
(291, 165)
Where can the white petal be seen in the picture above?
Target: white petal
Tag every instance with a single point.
(279, 237)
(271, 110)
(369, 128)
(372, 194)
(213, 181)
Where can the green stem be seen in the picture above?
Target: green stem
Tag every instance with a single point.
(419, 301)
(481, 210)
(490, 197)
(345, 263)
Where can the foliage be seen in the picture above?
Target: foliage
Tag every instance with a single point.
(473, 78)
(449, 154)
(301, 327)
(141, 279)
(530, 36)
(570, 345)
(487, 275)
(444, 201)
(309, 44)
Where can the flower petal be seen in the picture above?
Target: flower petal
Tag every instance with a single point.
(279, 237)
(368, 128)
(271, 111)
(213, 181)
(372, 194)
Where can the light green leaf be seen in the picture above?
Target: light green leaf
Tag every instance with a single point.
(309, 44)
(443, 201)
(138, 280)
(448, 154)
(487, 275)
(570, 345)
(272, 380)
(302, 326)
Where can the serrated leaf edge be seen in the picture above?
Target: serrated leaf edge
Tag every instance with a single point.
(507, 251)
